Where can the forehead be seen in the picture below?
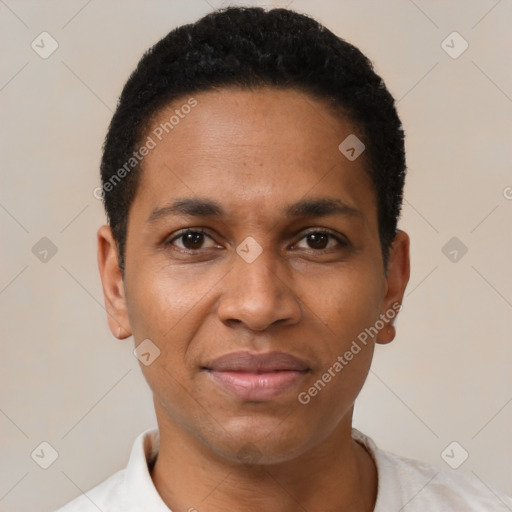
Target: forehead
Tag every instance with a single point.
(252, 149)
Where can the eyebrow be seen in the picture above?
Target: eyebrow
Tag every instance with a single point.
(321, 207)
(190, 207)
(318, 207)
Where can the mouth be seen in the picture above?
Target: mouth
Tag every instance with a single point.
(257, 377)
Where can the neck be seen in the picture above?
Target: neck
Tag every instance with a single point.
(337, 475)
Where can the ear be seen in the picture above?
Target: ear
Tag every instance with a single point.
(113, 285)
(398, 273)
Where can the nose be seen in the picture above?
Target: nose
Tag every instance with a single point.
(257, 295)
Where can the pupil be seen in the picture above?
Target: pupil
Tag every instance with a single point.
(193, 239)
(318, 240)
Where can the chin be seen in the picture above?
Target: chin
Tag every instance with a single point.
(263, 442)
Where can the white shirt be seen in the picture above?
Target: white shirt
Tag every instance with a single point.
(403, 485)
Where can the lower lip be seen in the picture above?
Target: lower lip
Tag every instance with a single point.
(258, 387)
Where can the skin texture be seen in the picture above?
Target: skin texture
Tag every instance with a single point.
(255, 153)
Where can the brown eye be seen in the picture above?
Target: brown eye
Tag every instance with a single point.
(191, 240)
(318, 240)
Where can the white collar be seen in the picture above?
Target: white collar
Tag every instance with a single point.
(141, 493)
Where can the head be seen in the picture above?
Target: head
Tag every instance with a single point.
(249, 48)
(238, 224)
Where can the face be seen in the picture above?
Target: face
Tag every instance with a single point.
(253, 263)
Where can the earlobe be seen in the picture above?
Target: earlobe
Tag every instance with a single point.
(386, 334)
(121, 333)
(396, 281)
(113, 284)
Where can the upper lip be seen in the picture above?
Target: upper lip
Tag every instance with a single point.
(257, 362)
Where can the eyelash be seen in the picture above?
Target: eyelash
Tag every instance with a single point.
(341, 242)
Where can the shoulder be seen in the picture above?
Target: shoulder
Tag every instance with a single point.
(428, 487)
(419, 486)
(131, 488)
(102, 497)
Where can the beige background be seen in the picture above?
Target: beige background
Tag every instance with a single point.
(66, 381)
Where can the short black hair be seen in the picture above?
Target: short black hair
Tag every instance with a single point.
(252, 47)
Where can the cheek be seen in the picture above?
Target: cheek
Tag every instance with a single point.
(347, 306)
(168, 307)
(333, 391)
(161, 308)
(160, 298)
(346, 301)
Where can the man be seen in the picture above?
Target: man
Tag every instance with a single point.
(252, 177)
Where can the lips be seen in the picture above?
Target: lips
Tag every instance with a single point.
(257, 377)
(257, 363)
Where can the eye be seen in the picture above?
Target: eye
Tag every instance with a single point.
(322, 240)
(191, 240)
